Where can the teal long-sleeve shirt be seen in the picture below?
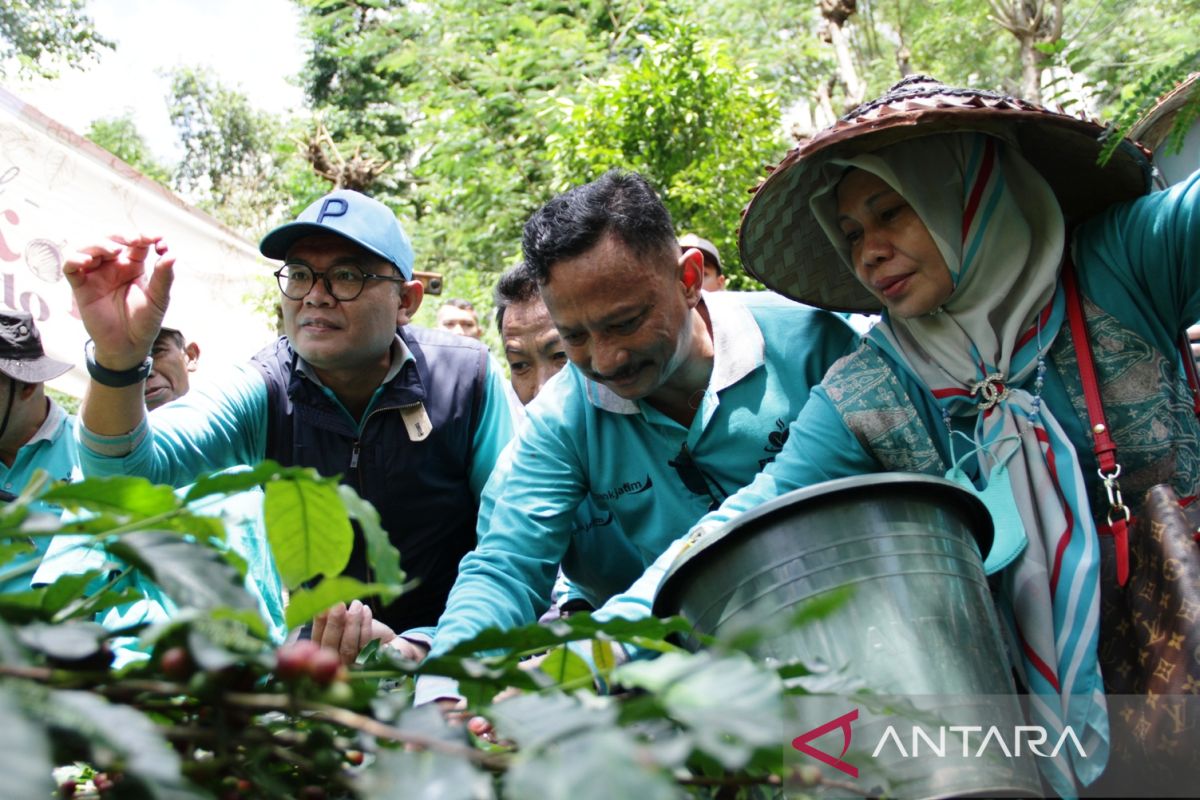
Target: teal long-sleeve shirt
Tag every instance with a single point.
(223, 423)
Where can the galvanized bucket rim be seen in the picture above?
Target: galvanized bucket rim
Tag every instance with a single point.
(978, 518)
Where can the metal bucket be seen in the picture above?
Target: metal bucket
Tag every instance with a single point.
(919, 621)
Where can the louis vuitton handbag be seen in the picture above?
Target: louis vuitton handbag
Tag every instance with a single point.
(1149, 602)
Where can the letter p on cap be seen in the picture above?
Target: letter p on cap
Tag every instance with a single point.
(332, 207)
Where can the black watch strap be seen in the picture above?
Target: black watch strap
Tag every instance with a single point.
(117, 379)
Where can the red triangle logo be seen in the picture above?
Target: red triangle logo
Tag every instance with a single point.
(801, 743)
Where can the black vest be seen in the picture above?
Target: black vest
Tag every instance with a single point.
(421, 489)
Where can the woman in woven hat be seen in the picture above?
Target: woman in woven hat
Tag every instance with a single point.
(954, 212)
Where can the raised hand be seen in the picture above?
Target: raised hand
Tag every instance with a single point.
(120, 304)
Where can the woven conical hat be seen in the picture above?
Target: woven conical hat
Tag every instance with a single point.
(783, 246)
(1152, 129)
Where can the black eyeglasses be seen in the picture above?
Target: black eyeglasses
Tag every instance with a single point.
(694, 478)
(343, 283)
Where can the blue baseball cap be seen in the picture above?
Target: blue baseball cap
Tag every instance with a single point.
(351, 215)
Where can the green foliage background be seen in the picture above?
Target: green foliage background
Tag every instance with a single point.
(466, 115)
(41, 35)
(210, 712)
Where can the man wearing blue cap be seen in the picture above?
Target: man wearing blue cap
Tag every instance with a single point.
(413, 419)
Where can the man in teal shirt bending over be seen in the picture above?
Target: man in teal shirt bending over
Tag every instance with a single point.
(675, 398)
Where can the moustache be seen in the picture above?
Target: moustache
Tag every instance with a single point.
(620, 375)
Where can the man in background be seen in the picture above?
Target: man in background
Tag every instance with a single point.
(35, 432)
(175, 359)
(458, 316)
(532, 346)
(714, 275)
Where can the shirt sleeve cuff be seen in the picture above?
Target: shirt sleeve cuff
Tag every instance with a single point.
(114, 446)
(419, 635)
(431, 688)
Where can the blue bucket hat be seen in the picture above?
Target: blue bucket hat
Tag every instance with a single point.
(351, 215)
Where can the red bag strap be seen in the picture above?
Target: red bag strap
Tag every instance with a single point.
(1102, 443)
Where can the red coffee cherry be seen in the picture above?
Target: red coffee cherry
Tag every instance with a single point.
(324, 666)
(177, 664)
(292, 660)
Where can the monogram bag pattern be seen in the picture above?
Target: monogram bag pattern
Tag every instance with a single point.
(1149, 627)
(1150, 639)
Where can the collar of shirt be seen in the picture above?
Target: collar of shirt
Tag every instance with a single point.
(56, 417)
(738, 350)
(401, 355)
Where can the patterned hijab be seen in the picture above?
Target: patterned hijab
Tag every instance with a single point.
(998, 226)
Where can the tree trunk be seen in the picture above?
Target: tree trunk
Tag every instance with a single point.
(1032, 22)
(1031, 71)
(836, 12)
(357, 172)
(825, 114)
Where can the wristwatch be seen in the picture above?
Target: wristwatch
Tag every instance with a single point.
(117, 379)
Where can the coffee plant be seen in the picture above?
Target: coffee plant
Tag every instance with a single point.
(202, 704)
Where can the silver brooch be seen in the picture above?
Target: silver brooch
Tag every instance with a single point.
(991, 390)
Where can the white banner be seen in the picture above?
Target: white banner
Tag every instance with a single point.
(59, 191)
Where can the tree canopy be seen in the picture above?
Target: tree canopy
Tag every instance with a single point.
(120, 136)
(495, 107)
(39, 34)
(466, 115)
